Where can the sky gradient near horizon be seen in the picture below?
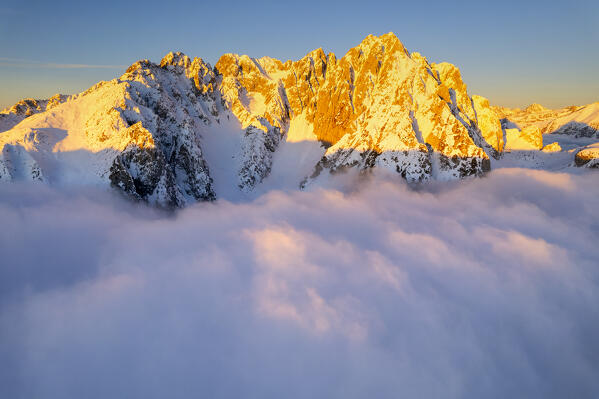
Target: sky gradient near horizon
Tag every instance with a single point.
(512, 52)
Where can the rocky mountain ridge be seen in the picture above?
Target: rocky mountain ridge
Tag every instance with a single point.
(11, 116)
(577, 121)
(182, 131)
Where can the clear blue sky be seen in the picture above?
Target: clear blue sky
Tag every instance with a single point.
(513, 52)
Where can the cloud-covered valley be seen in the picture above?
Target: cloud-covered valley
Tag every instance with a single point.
(481, 288)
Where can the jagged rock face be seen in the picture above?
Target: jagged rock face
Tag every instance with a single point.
(258, 149)
(527, 139)
(260, 104)
(144, 172)
(588, 157)
(377, 102)
(553, 147)
(488, 122)
(577, 121)
(137, 171)
(168, 105)
(250, 93)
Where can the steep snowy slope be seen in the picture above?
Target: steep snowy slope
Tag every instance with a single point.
(181, 131)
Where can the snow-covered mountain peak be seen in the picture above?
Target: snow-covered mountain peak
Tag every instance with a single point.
(386, 42)
(176, 59)
(536, 108)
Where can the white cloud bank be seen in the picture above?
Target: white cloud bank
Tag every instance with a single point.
(487, 288)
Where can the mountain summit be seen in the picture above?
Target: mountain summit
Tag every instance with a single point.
(182, 131)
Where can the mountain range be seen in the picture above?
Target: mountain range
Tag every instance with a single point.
(182, 131)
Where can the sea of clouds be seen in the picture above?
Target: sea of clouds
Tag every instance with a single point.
(486, 288)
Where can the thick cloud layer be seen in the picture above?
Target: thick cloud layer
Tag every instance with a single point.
(482, 288)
